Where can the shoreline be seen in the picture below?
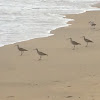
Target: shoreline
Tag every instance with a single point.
(67, 24)
(64, 73)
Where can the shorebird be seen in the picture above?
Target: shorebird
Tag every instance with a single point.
(87, 40)
(21, 49)
(74, 43)
(92, 24)
(40, 53)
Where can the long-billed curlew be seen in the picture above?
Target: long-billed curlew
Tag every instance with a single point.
(92, 24)
(87, 40)
(21, 49)
(40, 53)
(74, 43)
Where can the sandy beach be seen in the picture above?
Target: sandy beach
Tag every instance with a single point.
(64, 74)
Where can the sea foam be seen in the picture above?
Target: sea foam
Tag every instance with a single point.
(22, 20)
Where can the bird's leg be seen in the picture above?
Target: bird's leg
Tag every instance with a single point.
(40, 58)
(73, 48)
(94, 27)
(22, 53)
(91, 27)
(86, 45)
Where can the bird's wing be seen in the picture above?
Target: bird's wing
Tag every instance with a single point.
(88, 40)
(23, 49)
(76, 42)
(43, 53)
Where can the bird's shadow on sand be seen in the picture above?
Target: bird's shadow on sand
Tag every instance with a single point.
(38, 60)
(10, 96)
(97, 30)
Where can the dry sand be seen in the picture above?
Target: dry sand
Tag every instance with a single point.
(64, 74)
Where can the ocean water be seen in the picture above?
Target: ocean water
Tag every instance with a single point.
(22, 20)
